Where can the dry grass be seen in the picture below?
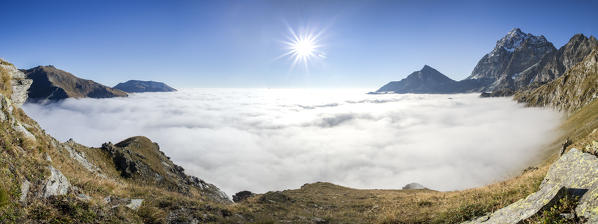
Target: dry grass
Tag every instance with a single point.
(5, 85)
(345, 205)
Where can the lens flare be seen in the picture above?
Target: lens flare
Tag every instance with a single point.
(303, 47)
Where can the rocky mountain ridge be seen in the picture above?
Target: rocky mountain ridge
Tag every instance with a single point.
(51, 84)
(519, 61)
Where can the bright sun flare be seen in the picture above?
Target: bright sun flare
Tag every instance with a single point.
(303, 47)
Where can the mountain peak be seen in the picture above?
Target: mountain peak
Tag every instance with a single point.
(427, 67)
(578, 38)
(515, 38)
(515, 31)
(426, 80)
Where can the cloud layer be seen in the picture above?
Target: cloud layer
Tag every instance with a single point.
(274, 139)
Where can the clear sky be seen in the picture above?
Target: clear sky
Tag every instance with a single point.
(236, 43)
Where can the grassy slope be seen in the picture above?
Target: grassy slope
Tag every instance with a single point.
(345, 205)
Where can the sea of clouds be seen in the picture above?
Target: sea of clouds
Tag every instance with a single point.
(275, 139)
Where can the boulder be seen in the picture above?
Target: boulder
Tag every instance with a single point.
(24, 191)
(135, 204)
(575, 173)
(57, 183)
(414, 186)
(242, 195)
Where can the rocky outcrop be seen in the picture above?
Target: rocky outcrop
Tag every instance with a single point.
(7, 114)
(576, 88)
(52, 84)
(18, 82)
(78, 156)
(138, 86)
(574, 173)
(140, 159)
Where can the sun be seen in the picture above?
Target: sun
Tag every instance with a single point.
(303, 47)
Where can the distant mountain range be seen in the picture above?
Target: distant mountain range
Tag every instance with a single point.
(51, 84)
(519, 61)
(137, 86)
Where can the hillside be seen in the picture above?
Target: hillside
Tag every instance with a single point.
(137, 86)
(45, 181)
(570, 92)
(52, 84)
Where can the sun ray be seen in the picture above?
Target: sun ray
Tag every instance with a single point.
(303, 47)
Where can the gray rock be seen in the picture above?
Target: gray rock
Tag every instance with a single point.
(575, 172)
(20, 84)
(57, 183)
(79, 157)
(83, 197)
(24, 191)
(135, 204)
(413, 186)
(107, 199)
(19, 128)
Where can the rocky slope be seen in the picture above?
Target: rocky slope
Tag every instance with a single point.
(52, 84)
(512, 55)
(570, 92)
(137, 86)
(45, 181)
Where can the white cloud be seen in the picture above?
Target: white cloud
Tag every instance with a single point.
(263, 139)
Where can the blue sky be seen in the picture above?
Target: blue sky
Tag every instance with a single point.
(236, 43)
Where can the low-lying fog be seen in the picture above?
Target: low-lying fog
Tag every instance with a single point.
(275, 139)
